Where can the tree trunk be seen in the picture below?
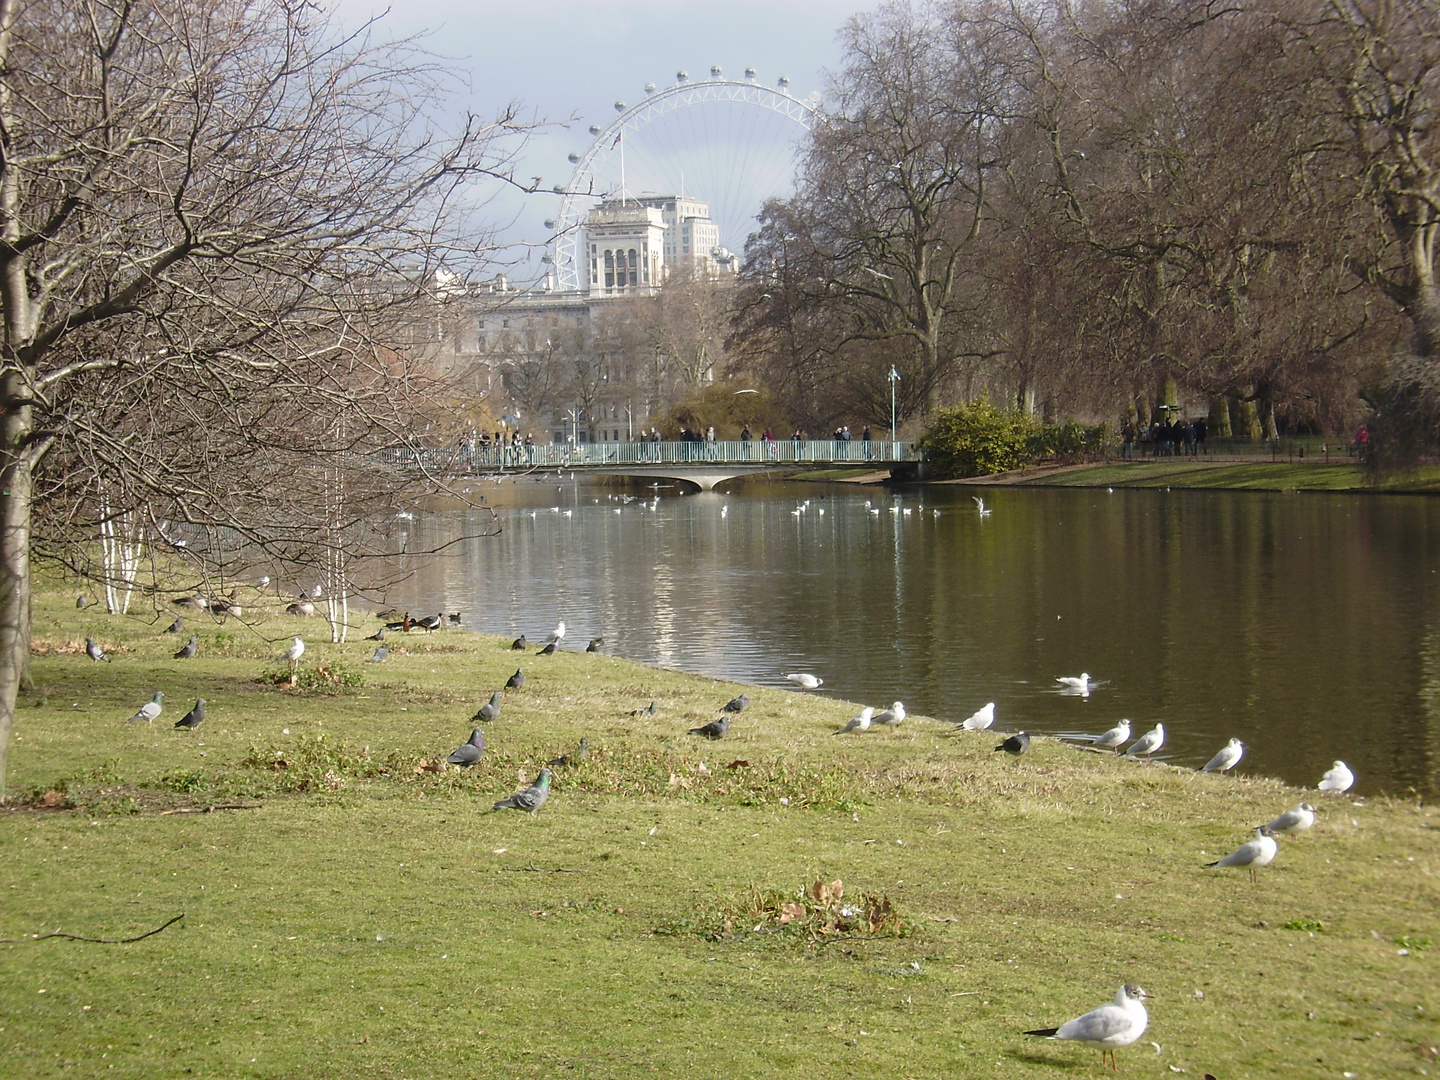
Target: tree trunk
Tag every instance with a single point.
(16, 479)
(1219, 418)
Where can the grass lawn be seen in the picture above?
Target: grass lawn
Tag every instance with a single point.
(373, 918)
(1236, 476)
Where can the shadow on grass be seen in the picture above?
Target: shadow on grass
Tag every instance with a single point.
(1071, 1062)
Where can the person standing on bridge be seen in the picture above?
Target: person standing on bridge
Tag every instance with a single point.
(866, 438)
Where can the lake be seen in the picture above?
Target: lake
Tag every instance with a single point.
(1306, 625)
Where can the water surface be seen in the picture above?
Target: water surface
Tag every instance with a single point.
(1306, 625)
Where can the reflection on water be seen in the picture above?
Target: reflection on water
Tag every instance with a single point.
(1306, 625)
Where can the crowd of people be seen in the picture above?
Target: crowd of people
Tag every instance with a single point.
(1170, 438)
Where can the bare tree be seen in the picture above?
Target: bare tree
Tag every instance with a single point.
(209, 210)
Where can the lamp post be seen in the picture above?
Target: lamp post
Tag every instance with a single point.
(894, 377)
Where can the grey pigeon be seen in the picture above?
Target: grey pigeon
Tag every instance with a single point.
(491, 709)
(595, 644)
(519, 643)
(516, 681)
(549, 650)
(716, 729)
(150, 710)
(378, 635)
(80, 601)
(649, 710)
(1016, 744)
(188, 650)
(532, 798)
(737, 705)
(176, 626)
(94, 651)
(193, 718)
(470, 753)
(574, 757)
(381, 655)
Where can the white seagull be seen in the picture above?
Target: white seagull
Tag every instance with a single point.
(1079, 682)
(1293, 821)
(1252, 853)
(804, 681)
(1118, 734)
(1109, 1027)
(1148, 743)
(893, 715)
(558, 634)
(981, 504)
(859, 722)
(1228, 757)
(982, 719)
(1338, 778)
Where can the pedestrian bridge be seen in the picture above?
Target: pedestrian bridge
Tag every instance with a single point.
(700, 463)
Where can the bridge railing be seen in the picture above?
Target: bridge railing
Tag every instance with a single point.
(622, 454)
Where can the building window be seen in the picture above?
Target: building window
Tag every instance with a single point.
(634, 268)
(609, 269)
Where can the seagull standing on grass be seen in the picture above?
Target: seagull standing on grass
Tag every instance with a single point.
(1118, 734)
(95, 652)
(292, 655)
(804, 681)
(893, 715)
(1109, 1027)
(1228, 757)
(150, 710)
(1252, 853)
(1337, 778)
(1293, 821)
(982, 719)
(859, 723)
(1148, 743)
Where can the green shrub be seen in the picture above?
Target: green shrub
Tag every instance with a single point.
(978, 439)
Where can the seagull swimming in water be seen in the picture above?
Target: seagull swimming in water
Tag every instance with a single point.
(1109, 1027)
(981, 504)
(1228, 757)
(982, 719)
(1079, 682)
(1337, 778)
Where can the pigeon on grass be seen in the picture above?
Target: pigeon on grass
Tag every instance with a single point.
(574, 757)
(737, 704)
(516, 681)
(193, 718)
(150, 710)
(188, 650)
(468, 753)
(716, 729)
(649, 710)
(381, 655)
(95, 652)
(176, 626)
(519, 644)
(491, 709)
(1016, 744)
(532, 798)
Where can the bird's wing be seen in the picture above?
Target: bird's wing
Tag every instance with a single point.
(1244, 855)
(1105, 1022)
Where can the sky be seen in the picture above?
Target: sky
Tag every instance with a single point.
(568, 63)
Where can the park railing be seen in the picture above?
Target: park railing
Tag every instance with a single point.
(603, 455)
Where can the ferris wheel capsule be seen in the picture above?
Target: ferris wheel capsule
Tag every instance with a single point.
(749, 73)
(649, 88)
(715, 71)
(595, 129)
(681, 76)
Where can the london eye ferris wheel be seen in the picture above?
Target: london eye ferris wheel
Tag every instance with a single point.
(731, 143)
